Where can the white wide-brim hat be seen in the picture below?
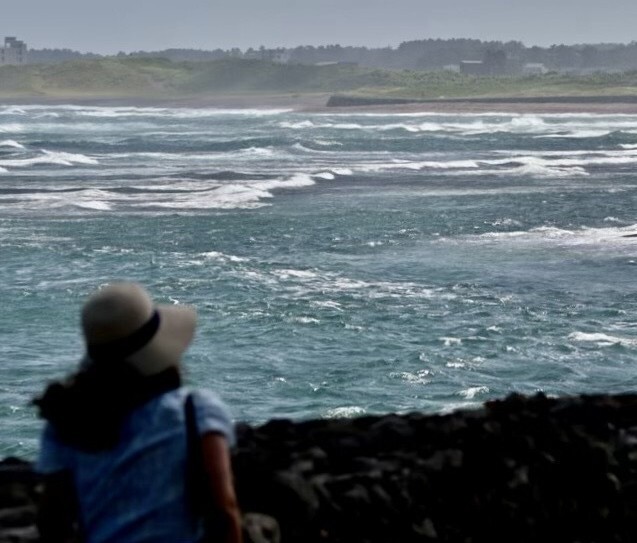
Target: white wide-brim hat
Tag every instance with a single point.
(121, 323)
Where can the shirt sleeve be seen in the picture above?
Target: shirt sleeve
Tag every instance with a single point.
(213, 415)
(54, 456)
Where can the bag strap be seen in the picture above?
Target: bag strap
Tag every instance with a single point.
(197, 488)
(192, 435)
(194, 460)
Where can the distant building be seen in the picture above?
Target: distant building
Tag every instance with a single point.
(472, 67)
(337, 63)
(534, 68)
(14, 52)
(281, 57)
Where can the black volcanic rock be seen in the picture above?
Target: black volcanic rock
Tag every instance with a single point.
(523, 469)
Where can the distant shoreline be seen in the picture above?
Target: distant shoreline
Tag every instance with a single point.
(317, 103)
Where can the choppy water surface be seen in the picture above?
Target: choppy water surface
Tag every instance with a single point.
(341, 264)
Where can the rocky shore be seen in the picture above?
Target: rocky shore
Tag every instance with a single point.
(523, 469)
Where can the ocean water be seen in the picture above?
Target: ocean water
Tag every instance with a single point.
(341, 264)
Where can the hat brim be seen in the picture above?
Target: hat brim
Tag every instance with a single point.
(176, 330)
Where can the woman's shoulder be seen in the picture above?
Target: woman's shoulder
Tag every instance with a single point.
(212, 413)
(203, 396)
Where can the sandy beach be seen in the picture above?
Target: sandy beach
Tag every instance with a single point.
(317, 103)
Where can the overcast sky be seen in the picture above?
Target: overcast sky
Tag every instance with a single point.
(109, 26)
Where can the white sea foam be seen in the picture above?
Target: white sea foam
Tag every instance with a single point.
(471, 392)
(568, 165)
(578, 134)
(539, 170)
(74, 158)
(9, 128)
(603, 340)
(344, 412)
(93, 204)
(256, 151)
(603, 238)
(397, 164)
(551, 126)
(199, 195)
(216, 255)
(506, 222)
(327, 304)
(172, 113)
(296, 181)
(324, 175)
(420, 377)
(50, 157)
(328, 143)
(297, 274)
(12, 110)
(306, 320)
(450, 341)
(11, 143)
(297, 125)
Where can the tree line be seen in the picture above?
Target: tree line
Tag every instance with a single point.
(428, 54)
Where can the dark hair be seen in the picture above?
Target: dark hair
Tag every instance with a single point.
(88, 408)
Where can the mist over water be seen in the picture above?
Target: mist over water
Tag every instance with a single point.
(341, 264)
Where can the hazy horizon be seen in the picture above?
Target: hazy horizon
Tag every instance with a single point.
(108, 28)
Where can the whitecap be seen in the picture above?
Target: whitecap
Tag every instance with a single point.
(471, 392)
(324, 175)
(578, 134)
(50, 157)
(92, 204)
(328, 143)
(449, 341)
(12, 110)
(216, 255)
(602, 340)
(257, 151)
(420, 377)
(328, 304)
(344, 412)
(74, 158)
(298, 274)
(306, 320)
(297, 125)
(505, 222)
(296, 181)
(11, 143)
(11, 127)
(537, 170)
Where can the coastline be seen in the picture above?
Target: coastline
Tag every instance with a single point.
(318, 103)
(522, 469)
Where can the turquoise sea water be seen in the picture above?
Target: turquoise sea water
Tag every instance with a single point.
(341, 264)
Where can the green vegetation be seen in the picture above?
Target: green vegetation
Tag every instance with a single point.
(161, 78)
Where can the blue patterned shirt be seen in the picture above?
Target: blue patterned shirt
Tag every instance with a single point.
(136, 492)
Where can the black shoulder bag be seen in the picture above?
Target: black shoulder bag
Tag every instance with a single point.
(197, 486)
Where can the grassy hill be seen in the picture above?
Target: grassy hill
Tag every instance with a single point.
(160, 78)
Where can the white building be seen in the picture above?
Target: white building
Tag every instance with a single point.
(534, 68)
(14, 52)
